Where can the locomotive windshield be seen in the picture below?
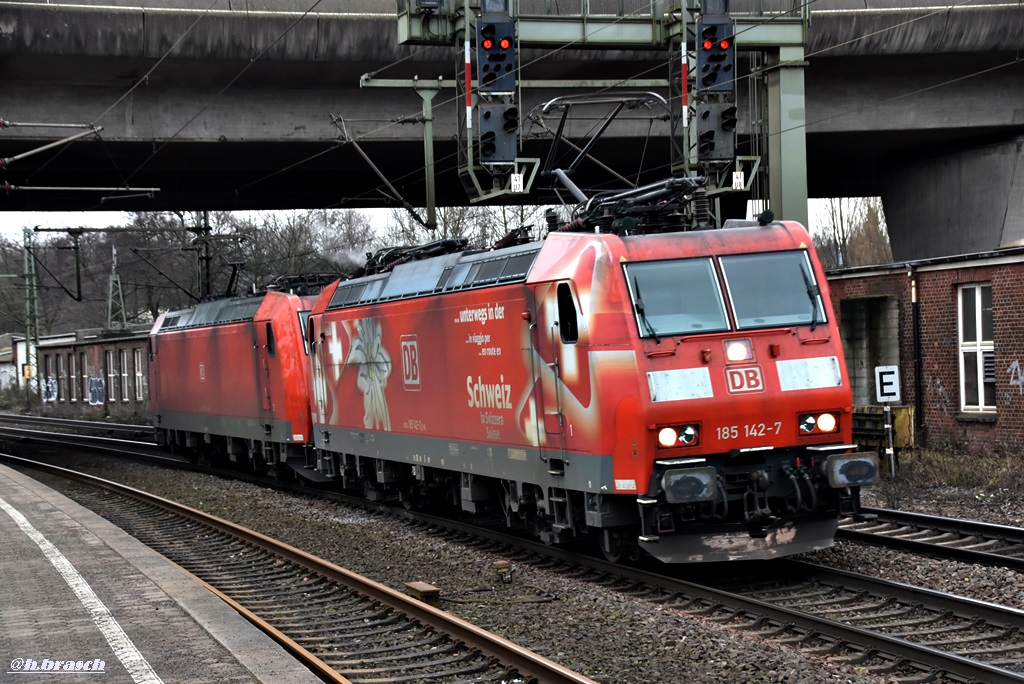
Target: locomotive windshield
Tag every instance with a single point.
(676, 297)
(772, 289)
(683, 297)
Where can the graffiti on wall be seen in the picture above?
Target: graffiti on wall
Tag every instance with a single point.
(1016, 378)
(97, 391)
(49, 389)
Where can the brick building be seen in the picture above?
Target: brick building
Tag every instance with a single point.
(955, 328)
(94, 374)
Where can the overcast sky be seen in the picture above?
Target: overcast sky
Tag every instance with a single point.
(12, 222)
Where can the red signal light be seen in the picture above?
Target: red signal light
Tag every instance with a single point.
(505, 43)
(487, 44)
(708, 44)
(724, 44)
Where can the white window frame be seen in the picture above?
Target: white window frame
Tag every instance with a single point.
(977, 347)
(111, 377)
(62, 379)
(122, 367)
(140, 377)
(83, 373)
(72, 378)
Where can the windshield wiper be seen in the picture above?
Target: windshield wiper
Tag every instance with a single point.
(640, 310)
(813, 292)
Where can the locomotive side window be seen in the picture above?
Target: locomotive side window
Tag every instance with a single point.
(303, 317)
(772, 289)
(676, 297)
(271, 347)
(568, 323)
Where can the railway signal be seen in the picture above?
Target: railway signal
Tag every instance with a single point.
(716, 89)
(716, 54)
(716, 131)
(499, 133)
(496, 57)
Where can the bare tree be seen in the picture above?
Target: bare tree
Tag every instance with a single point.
(853, 233)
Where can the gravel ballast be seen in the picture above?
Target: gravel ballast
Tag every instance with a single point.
(606, 635)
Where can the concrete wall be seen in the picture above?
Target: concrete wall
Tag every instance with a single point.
(956, 202)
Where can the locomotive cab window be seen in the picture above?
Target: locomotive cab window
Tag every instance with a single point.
(773, 289)
(676, 297)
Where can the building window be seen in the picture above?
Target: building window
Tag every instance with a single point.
(977, 353)
(140, 377)
(83, 370)
(62, 379)
(111, 370)
(72, 378)
(122, 367)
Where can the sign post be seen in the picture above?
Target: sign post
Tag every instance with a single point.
(887, 389)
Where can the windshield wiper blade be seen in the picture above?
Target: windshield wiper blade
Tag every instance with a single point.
(640, 310)
(813, 292)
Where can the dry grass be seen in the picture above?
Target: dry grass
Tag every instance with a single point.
(924, 468)
(983, 476)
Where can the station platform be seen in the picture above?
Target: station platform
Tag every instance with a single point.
(79, 597)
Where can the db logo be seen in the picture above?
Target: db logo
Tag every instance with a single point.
(410, 362)
(746, 379)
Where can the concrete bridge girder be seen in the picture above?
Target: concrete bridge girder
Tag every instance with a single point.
(877, 100)
(956, 201)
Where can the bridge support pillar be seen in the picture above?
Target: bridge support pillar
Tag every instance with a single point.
(787, 138)
(962, 201)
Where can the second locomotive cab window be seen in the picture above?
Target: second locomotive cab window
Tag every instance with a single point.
(772, 289)
(676, 297)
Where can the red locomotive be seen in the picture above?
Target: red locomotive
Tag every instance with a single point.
(229, 379)
(683, 393)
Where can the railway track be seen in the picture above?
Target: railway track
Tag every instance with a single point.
(345, 627)
(894, 630)
(950, 538)
(898, 631)
(92, 427)
(943, 631)
(966, 540)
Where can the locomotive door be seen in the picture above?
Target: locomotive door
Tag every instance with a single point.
(555, 334)
(265, 351)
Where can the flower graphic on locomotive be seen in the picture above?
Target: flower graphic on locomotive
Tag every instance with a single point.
(369, 354)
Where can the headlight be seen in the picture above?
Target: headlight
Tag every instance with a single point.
(738, 350)
(677, 436)
(818, 423)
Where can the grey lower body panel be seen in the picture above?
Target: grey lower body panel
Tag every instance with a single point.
(226, 426)
(579, 471)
